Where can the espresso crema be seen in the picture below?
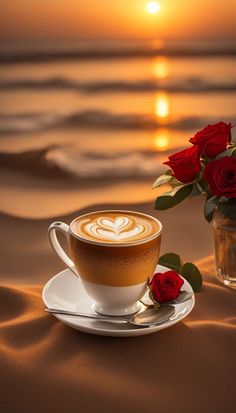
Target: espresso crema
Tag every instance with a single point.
(115, 227)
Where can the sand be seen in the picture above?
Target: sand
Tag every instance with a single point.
(48, 367)
(30, 204)
(31, 200)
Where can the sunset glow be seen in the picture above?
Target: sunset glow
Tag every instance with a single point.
(161, 141)
(153, 7)
(162, 107)
(160, 68)
(116, 19)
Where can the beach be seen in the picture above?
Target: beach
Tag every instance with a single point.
(74, 139)
(86, 127)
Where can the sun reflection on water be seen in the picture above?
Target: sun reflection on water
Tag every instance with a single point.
(161, 140)
(160, 68)
(162, 106)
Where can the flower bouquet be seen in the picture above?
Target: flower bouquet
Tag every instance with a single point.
(208, 167)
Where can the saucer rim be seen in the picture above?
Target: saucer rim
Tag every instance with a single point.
(132, 332)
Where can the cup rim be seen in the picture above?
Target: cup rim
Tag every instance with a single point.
(117, 244)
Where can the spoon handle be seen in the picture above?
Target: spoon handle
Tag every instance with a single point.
(114, 319)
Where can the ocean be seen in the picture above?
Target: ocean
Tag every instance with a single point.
(109, 111)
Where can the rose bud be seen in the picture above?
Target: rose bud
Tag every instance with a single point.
(185, 164)
(166, 286)
(213, 139)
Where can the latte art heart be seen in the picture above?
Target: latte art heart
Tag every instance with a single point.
(116, 229)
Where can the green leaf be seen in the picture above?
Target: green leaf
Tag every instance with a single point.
(169, 172)
(171, 260)
(192, 274)
(175, 183)
(203, 185)
(168, 201)
(209, 207)
(223, 199)
(197, 190)
(161, 180)
(228, 152)
(205, 160)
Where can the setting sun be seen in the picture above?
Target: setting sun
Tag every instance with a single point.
(153, 7)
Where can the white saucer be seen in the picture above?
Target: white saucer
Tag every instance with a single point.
(65, 291)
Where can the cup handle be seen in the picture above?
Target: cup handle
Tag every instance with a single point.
(64, 228)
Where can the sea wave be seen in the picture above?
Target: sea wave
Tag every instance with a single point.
(33, 122)
(114, 51)
(185, 85)
(62, 162)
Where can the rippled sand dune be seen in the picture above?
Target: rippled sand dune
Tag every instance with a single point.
(55, 358)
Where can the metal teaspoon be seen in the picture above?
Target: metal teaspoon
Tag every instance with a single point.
(149, 317)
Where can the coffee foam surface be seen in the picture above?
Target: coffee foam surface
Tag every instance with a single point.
(112, 227)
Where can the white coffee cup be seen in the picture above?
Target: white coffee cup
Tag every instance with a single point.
(115, 257)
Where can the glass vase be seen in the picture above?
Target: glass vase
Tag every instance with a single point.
(224, 227)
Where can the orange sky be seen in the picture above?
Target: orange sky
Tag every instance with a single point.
(81, 19)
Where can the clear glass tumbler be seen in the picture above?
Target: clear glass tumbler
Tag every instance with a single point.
(224, 228)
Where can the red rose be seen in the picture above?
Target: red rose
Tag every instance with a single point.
(213, 139)
(185, 164)
(220, 174)
(166, 286)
